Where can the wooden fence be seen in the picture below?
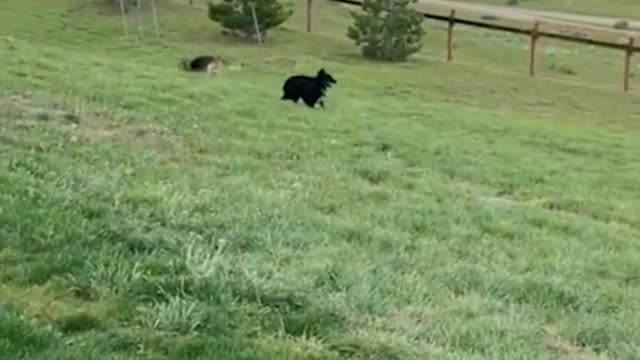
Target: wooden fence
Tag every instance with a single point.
(562, 30)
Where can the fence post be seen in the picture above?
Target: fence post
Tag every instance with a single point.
(627, 64)
(309, 15)
(532, 49)
(452, 21)
(125, 28)
(256, 26)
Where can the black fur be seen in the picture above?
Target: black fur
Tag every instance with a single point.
(198, 64)
(310, 89)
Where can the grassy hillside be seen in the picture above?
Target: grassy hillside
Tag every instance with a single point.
(432, 210)
(613, 8)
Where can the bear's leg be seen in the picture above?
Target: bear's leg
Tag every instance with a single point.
(309, 102)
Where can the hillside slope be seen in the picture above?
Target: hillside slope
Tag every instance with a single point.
(431, 210)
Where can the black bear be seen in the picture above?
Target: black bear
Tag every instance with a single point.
(310, 89)
(201, 64)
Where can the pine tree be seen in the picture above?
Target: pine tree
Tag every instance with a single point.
(387, 29)
(236, 16)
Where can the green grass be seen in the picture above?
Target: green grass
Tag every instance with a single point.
(432, 210)
(613, 8)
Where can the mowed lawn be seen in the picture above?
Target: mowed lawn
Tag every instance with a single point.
(430, 211)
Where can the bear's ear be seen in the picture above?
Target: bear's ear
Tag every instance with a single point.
(322, 71)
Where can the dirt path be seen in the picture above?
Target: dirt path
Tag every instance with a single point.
(519, 13)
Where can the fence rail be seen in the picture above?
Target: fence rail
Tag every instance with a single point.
(627, 41)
